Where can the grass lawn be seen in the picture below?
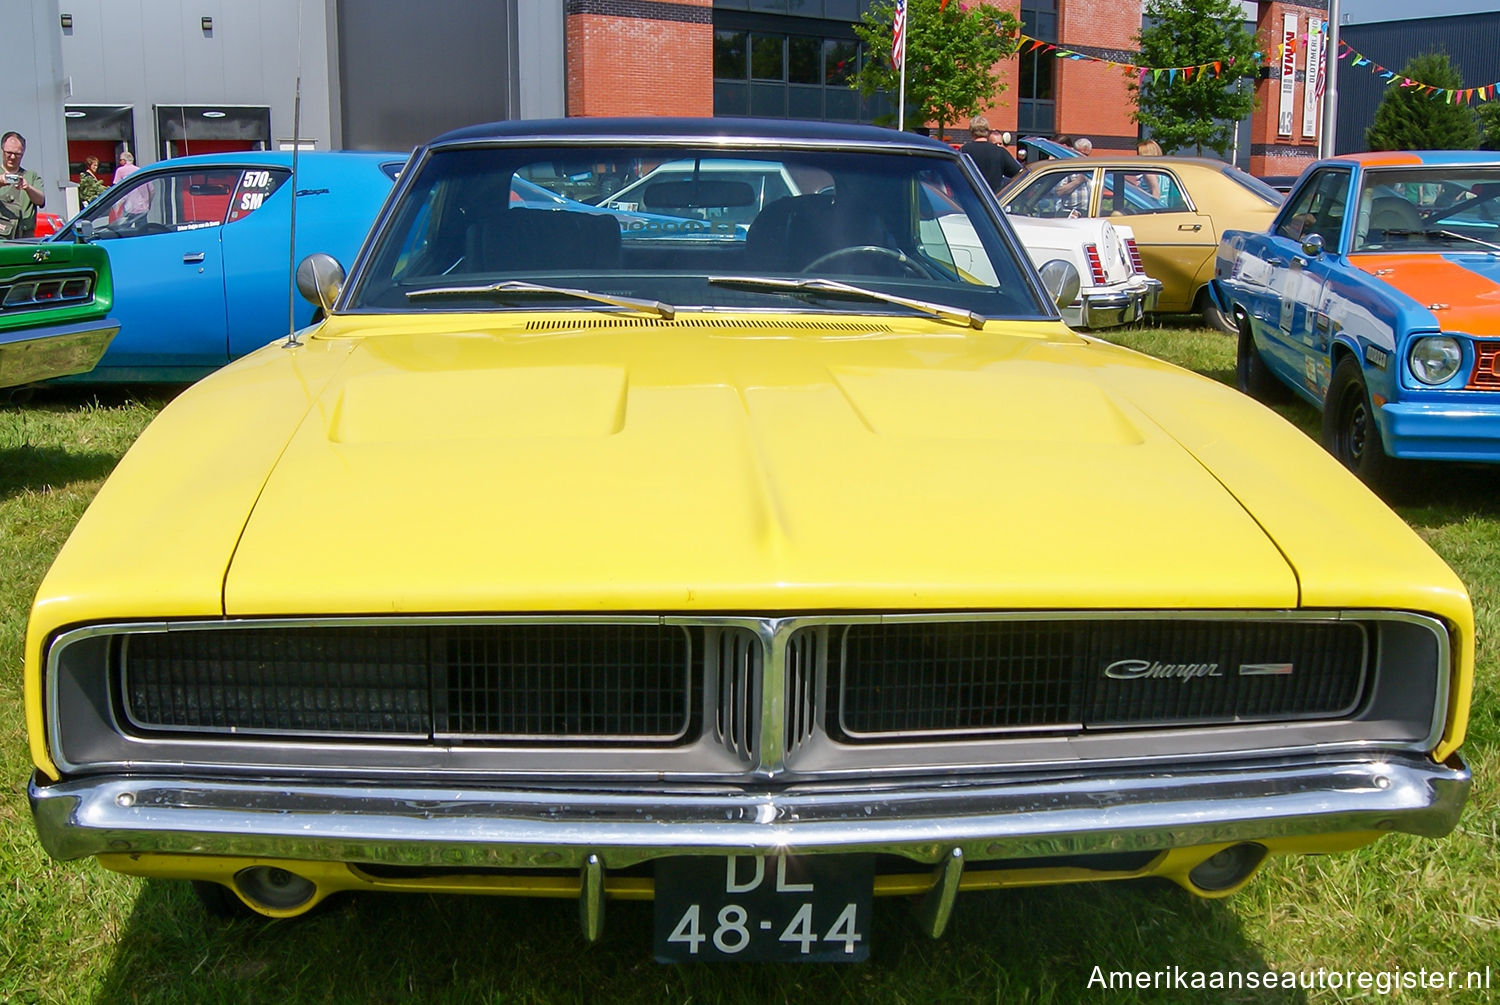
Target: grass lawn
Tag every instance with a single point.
(72, 932)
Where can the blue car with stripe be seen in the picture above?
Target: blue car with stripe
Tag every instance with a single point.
(1375, 295)
(200, 248)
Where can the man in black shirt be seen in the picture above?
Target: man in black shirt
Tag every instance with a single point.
(993, 161)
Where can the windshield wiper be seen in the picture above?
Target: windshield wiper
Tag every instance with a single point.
(509, 287)
(957, 315)
(1455, 235)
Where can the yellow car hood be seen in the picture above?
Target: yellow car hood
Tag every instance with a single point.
(706, 464)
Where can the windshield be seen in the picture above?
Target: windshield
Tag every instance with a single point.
(507, 228)
(1448, 208)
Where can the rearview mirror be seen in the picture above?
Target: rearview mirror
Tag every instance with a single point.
(699, 194)
(319, 279)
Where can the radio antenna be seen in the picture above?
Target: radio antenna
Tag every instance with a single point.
(291, 272)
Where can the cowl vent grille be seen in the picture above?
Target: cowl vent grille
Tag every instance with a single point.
(739, 324)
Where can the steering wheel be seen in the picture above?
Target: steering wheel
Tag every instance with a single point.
(906, 264)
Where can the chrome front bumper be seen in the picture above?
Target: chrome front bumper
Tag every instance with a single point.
(567, 826)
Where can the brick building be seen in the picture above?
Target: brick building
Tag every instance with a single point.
(794, 58)
(165, 77)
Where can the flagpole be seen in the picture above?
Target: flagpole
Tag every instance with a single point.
(1329, 139)
(903, 32)
(901, 108)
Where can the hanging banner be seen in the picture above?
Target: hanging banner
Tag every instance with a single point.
(1288, 109)
(1312, 80)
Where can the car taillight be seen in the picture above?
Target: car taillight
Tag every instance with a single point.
(1137, 266)
(1096, 265)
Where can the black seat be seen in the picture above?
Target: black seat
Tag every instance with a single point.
(1393, 213)
(794, 231)
(523, 240)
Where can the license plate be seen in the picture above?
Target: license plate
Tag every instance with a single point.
(746, 907)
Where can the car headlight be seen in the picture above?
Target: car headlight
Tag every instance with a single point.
(1435, 358)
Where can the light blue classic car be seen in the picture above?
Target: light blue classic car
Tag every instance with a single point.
(201, 251)
(1375, 295)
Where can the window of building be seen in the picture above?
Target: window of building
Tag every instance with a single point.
(1036, 105)
(791, 59)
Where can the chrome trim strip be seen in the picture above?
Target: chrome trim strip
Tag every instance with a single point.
(925, 821)
(1361, 695)
(139, 727)
(774, 632)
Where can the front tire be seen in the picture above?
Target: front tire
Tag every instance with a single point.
(1251, 374)
(1350, 432)
(1213, 317)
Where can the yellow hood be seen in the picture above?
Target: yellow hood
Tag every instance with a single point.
(615, 464)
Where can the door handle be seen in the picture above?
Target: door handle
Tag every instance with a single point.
(1276, 263)
(192, 258)
(1190, 226)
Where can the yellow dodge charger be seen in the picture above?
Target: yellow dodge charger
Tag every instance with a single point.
(754, 552)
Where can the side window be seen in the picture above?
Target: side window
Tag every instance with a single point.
(256, 185)
(1318, 208)
(1057, 194)
(164, 204)
(1129, 193)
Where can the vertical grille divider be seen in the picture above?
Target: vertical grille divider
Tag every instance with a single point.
(737, 690)
(806, 669)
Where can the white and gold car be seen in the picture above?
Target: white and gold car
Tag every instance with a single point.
(760, 571)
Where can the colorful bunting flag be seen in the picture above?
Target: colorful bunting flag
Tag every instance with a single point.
(1448, 95)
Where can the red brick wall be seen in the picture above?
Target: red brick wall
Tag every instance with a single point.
(1093, 98)
(1270, 153)
(1002, 113)
(640, 58)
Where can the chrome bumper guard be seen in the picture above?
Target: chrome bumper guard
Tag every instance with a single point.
(1108, 310)
(926, 821)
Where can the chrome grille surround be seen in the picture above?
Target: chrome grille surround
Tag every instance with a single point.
(951, 678)
(46, 290)
(762, 708)
(516, 682)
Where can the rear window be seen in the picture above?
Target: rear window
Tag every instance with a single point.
(1254, 184)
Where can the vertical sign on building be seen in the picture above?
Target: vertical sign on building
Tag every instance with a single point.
(1312, 79)
(1288, 74)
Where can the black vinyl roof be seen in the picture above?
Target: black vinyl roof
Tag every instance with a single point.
(772, 131)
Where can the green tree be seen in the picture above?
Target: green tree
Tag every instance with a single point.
(1200, 108)
(1412, 118)
(949, 54)
(1489, 124)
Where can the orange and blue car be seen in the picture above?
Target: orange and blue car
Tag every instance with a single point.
(1375, 295)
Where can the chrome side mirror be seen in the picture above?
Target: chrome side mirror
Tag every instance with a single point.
(1312, 245)
(320, 277)
(1062, 281)
(83, 231)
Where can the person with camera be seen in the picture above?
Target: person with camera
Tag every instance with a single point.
(21, 192)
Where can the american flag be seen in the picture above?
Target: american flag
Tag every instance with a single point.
(898, 38)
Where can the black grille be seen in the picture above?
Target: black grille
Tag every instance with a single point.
(946, 678)
(523, 682)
